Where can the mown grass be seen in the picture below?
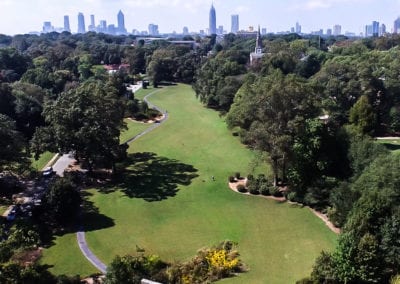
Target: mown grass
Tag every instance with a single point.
(133, 128)
(168, 203)
(64, 257)
(42, 161)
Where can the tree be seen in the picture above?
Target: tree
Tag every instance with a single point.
(362, 116)
(62, 201)
(86, 121)
(281, 105)
(12, 146)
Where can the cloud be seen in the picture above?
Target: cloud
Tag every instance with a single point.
(323, 4)
(242, 9)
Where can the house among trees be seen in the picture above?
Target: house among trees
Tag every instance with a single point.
(257, 54)
(113, 68)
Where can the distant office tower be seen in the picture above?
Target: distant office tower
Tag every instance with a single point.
(329, 32)
(382, 30)
(375, 28)
(111, 29)
(337, 30)
(396, 26)
(66, 24)
(92, 26)
(368, 31)
(298, 28)
(185, 30)
(235, 24)
(213, 21)
(121, 23)
(220, 30)
(47, 27)
(153, 29)
(81, 24)
(263, 31)
(102, 27)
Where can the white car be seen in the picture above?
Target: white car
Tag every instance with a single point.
(47, 172)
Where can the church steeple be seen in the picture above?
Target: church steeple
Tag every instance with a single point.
(258, 48)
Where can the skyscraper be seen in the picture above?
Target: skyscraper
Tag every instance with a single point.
(121, 23)
(213, 21)
(375, 28)
(92, 26)
(298, 28)
(81, 24)
(396, 26)
(153, 29)
(66, 24)
(235, 24)
(337, 30)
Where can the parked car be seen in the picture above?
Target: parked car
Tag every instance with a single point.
(48, 172)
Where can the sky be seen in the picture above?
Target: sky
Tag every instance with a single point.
(24, 16)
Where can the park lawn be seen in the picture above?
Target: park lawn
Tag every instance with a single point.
(42, 161)
(392, 144)
(133, 129)
(169, 205)
(64, 257)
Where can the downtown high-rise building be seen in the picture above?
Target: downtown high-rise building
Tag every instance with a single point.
(212, 29)
(81, 24)
(298, 28)
(121, 23)
(396, 26)
(92, 26)
(235, 24)
(337, 30)
(67, 27)
(375, 29)
(153, 29)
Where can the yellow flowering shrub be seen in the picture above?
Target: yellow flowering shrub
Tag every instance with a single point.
(219, 258)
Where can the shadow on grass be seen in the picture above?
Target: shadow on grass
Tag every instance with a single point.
(92, 219)
(392, 146)
(153, 178)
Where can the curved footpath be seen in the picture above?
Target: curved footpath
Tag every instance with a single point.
(80, 235)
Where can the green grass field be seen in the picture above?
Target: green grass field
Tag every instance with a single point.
(42, 161)
(133, 128)
(392, 144)
(168, 204)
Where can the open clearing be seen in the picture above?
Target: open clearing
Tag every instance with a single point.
(168, 204)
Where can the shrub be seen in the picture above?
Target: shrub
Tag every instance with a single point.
(252, 187)
(231, 179)
(237, 175)
(254, 191)
(292, 196)
(274, 190)
(241, 188)
(264, 189)
(250, 177)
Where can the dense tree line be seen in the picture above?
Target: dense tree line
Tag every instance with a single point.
(314, 107)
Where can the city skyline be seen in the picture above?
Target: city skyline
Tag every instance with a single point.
(312, 15)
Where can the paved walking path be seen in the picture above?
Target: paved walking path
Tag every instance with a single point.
(80, 235)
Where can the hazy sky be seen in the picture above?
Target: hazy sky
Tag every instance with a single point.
(23, 16)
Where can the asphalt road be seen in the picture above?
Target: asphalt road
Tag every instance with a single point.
(62, 163)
